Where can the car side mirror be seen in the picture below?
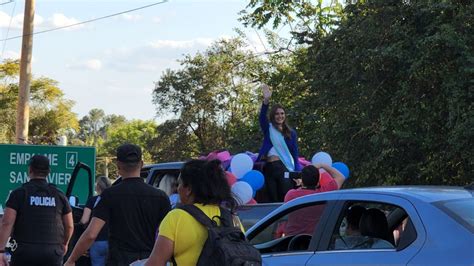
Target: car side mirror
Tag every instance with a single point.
(73, 201)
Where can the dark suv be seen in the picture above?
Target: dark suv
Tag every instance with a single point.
(248, 214)
(153, 174)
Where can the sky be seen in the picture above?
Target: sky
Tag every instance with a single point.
(112, 64)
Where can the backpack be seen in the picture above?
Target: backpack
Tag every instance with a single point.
(225, 244)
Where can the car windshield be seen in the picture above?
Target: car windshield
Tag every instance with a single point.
(460, 210)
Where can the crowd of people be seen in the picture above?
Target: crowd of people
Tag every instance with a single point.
(132, 220)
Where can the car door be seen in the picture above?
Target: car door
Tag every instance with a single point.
(290, 234)
(328, 254)
(78, 209)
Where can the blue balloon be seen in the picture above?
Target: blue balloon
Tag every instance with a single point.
(342, 167)
(254, 178)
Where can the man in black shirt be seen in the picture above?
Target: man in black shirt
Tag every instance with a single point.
(132, 209)
(40, 217)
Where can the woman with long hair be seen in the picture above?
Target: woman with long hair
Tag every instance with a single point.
(279, 149)
(204, 185)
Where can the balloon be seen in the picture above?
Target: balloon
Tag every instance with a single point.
(242, 192)
(241, 164)
(321, 157)
(252, 155)
(324, 178)
(342, 167)
(252, 202)
(223, 156)
(231, 179)
(254, 178)
(303, 161)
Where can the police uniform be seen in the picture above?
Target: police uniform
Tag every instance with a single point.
(133, 211)
(38, 228)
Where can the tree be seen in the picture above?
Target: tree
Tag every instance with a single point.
(92, 127)
(50, 113)
(94, 132)
(141, 133)
(213, 96)
(385, 86)
(392, 86)
(173, 142)
(306, 19)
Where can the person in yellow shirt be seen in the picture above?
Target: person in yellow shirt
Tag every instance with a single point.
(181, 236)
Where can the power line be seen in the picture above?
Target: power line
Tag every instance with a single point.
(90, 20)
(258, 35)
(8, 29)
(4, 3)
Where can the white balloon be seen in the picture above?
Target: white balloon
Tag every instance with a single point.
(321, 157)
(242, 192)
(241, 164)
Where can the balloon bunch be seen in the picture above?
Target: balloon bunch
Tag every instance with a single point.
(325, 158)
(243, 180)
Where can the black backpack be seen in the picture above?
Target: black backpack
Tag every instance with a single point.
(225, 244)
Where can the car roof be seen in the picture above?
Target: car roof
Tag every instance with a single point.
(165, 166)
(424, 193)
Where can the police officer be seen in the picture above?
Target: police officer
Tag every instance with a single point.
(40, 217)
(132, 209)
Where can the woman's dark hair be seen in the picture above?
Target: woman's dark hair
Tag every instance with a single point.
(208, 183)
(286, 130)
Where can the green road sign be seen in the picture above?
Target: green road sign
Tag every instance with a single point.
(14, 167)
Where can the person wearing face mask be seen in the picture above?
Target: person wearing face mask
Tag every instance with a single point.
(279, 148)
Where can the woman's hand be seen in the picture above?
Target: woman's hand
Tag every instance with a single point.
(267, 93)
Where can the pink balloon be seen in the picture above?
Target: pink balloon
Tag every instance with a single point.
(231, 178)
(252, 202)
(303, 161)
(324, 178)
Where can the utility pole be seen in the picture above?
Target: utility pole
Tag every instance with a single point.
(23, 108)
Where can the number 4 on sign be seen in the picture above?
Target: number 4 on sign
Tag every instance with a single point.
(71, 160)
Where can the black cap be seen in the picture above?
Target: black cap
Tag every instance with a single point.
(310, 176)
(39, 162)
(129, 153)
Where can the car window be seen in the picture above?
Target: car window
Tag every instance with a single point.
(290, 231)
(157, 175)
(372, 225)
(461, 210)
(251, 214)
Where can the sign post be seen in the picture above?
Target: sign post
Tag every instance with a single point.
(14, 167)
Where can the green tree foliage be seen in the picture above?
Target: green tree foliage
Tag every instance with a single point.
(392, 92)
(214, 98)
(305, 18)
(94, 128)
(173, 143)
(50, 113)
(95, 124)
(141, 133)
